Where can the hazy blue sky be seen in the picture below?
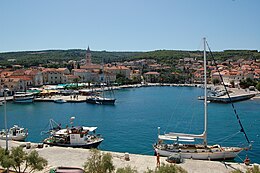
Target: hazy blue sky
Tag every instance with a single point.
(129, 25)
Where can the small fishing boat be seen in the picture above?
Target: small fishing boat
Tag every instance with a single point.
(23, 97)
(77, 137)
(15, 133)
(1, 103)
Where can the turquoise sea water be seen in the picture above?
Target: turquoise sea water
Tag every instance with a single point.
(131, 125)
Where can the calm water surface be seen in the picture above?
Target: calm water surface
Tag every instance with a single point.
(131, 125)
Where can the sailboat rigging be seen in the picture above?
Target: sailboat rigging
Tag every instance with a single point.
(102, 100)
(196, 151)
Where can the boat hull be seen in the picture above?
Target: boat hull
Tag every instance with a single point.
(106, 101)
(15, 138)
(86, 146)
(24, 100)
(60, 101)
(207, 155)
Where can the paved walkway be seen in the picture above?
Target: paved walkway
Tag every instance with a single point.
(58, 156)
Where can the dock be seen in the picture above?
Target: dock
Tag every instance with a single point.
(76, 157)
(235, 94)
(69, 99)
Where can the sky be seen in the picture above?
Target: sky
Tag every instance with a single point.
(129, 25)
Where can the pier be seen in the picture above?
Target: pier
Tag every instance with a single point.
(76, 157)
(235, 93)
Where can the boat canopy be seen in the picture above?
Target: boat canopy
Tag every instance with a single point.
(181, 137)
(91, 129)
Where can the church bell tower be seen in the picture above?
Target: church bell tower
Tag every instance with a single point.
(88, 57)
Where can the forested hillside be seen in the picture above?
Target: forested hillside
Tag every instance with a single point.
(61, 57)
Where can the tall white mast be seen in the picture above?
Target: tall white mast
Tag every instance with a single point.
(205, 95)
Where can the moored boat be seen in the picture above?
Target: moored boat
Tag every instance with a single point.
(23, 97)
(15, 133)
(59, 100)
(77, 137)
(184, 143)
(101, 100)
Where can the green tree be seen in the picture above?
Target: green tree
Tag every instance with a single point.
(246, 83)
(22, 161)
(215, 81)
(5, 161)
(258, 86)
(99, 163)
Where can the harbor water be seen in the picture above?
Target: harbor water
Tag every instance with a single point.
(131, 125)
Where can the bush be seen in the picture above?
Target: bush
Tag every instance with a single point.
(258, 86)
(127, 169)
(99, 163)
(168, 168)
(255, 169)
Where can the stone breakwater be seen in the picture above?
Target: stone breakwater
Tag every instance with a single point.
(76, 157)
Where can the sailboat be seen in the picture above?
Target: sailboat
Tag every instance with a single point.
(101, 99)
(189, 150)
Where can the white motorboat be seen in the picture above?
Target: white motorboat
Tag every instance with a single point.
(59, 100)
(23, 97)
(15, 133)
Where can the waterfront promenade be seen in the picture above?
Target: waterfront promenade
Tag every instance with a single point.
(234, 92)
(59, 156)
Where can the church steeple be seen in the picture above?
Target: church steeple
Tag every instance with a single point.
(88, 57)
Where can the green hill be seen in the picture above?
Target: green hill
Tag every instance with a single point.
(59, 58)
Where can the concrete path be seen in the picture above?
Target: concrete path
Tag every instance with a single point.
(59, 156)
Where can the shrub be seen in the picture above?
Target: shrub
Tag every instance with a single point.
(127, 169)
(99, 163)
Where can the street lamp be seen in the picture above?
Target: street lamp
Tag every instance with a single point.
(6, 132)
